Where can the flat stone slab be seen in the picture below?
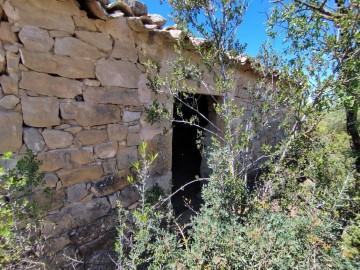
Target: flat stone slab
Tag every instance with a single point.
(10, 131)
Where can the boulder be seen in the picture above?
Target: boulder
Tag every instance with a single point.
(48, 85)
(157, 19)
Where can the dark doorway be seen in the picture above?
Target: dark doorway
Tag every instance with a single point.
(186, 157)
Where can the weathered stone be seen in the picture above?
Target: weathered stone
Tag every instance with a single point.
(157, 19)
(12, 62)
(6, 35)
(106, 150)
(84, 23)
(145, 94)
(136, 24)
(58, 34)
(82, 174)
(137, 7)
(177, 34)
(101, 259)
(110, 184)
(9, 85)
(126, 157)
(60, 159)
(75, 215)
(131, 116)
(2, 60)
(73, 130)
(77, 192)
(134, 129)
(10, 131)
(109, 166)
(73, 68)
(161, 145)
(119, 29)
(87, 137)
(92, 83)
(117, 132)
(55, 15)
(12, 47)
(99, 40)
(33, 139)
(47, 85)
(49, 201)
(133, 139)
(58, 243)
(40, 111)
(128, 196)
(88, 114)
(57, 139)
(91, 231)
(73, 47)
(112, 95)
(50, 180)
(36, 39)
(117, 73)
(125, 50)
(9, 102)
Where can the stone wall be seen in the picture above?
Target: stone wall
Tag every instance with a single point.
(73, 90)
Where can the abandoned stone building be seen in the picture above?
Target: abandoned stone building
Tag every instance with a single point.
(74, 91)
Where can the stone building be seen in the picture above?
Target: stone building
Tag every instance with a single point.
(73, 90)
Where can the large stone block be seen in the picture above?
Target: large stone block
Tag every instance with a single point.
(9, 85)
(125, 49)
(110, 184)
(33, 139)
(36, 39)
(84, 23)
(73, 47)
(88, 114)
(75, 215)
(6, 35)
(69, 67)
(9, 102)
(57, 138)
(106, 150)
(117, 73)
(126, 157)
(10, 131)
(131, 116)
(54, 15)
(101, 41)
(87, 137)
(77, 192)
(117, 132)
(67, 158)
(119, 29)
(47, 85)
(40, 111)
(112, 95)
(81, 174)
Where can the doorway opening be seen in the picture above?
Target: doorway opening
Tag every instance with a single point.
(186, 157)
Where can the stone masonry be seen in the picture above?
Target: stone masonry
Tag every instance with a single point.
(73, 90)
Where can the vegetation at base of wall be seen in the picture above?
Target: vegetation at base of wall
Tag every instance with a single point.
(302, 209)
(21, 242)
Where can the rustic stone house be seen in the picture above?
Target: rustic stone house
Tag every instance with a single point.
(73, 90)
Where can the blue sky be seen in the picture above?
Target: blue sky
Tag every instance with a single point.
(252, 31)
